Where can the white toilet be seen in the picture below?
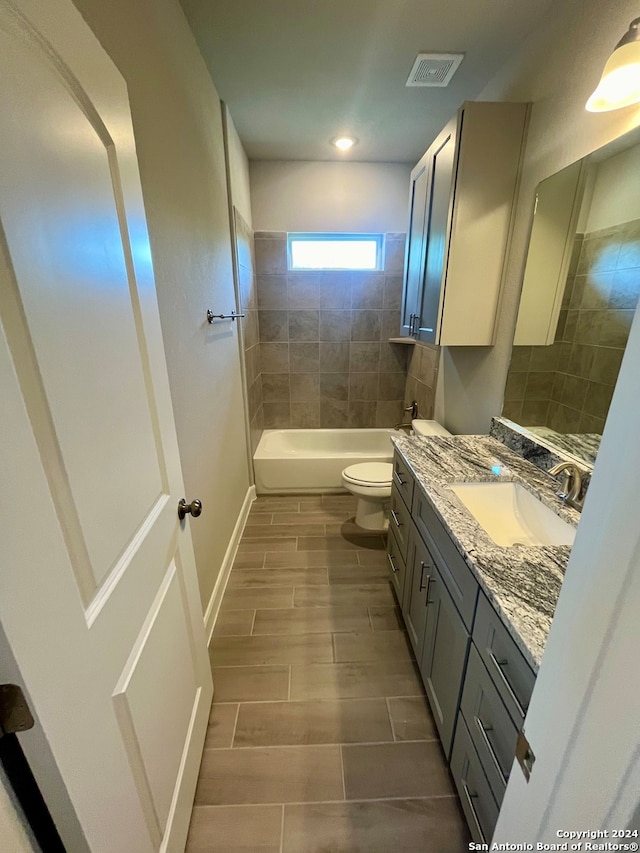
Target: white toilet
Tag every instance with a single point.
(371, 482)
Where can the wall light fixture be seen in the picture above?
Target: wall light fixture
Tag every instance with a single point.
(619, 85)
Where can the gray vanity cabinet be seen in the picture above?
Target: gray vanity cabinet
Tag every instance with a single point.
(397, 567)
(444, 657)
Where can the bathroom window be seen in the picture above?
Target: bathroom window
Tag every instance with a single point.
(335, 251)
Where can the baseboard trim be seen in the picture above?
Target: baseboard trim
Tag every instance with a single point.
(211, 613)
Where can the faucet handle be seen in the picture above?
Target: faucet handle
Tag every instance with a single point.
(569, 491)
(413, 408)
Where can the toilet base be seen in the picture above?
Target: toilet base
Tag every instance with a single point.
(372, 514)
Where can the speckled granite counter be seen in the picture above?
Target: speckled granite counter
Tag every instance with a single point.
(522, 582)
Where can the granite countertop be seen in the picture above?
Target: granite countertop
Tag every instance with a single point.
(522, 582)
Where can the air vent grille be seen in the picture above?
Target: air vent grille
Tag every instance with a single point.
(434, 69)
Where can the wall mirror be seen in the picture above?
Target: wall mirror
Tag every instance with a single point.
(580, 292)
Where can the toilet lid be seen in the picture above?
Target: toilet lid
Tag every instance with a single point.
(375, 473)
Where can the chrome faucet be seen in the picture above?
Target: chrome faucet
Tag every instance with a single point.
(569, 491)
(413, 409)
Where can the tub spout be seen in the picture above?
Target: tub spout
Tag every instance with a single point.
(408, 426)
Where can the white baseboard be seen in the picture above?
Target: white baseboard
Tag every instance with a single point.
(211, 613)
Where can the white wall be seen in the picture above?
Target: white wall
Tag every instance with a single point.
(329, 196)
(616, 191)
(556, 69)
(177, 121)
(238, 170)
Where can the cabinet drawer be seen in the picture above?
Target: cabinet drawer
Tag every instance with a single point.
(403, 479)
(478, 804)
(457, 576)
(397, 567)
(511, 674)
(491, 728)
(399, 520)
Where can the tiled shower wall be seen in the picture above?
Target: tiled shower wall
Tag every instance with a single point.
(568, 386)
(324, 352)
(422, 378)
(250, 326)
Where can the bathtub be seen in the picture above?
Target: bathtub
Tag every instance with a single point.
(312, 460)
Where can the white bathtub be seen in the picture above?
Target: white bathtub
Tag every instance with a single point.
(312, 460)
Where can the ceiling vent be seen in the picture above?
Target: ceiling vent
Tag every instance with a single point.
(434, 69)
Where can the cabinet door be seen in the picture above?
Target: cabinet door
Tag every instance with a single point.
(444, 657)
(441, 173)
(419, 569)
(414, 261)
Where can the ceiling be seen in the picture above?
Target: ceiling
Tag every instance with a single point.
(296, 73)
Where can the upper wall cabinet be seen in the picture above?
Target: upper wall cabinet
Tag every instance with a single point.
(460, 203)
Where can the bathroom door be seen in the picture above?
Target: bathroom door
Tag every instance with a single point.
(98, 592)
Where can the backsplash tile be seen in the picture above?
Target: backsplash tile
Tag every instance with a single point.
(326, 333)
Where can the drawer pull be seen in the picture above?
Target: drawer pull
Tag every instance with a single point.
(470, 798)
(487, 743)
(423, 566)
(498, 664)
(392, 564)
(430, 580)
(398, 478)
(395, 518)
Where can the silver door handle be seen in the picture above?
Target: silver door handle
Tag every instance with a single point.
(470, 798)
(399, 479)
(211, 316)
(392, 564)
(395, 518)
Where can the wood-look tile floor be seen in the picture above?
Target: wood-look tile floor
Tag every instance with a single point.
(320, 739)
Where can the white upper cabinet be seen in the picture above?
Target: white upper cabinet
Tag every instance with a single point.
(460, 204)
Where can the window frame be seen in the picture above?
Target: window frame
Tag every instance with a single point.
(336, 237)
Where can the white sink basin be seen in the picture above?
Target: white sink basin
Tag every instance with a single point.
(513, 516)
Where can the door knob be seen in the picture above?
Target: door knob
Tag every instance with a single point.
(195, 508)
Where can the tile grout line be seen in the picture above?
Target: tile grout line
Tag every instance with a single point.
(282, 830)
(344, 786)
(235, 726)
(393, 730)
(289, 684)
(253, 623)
(320, 745)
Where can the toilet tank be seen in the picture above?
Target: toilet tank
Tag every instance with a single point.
(422, 427)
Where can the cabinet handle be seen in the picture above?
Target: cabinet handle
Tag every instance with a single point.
(399, 479)
(470, 798)
(411, 319)
(423, 566)
(498, 664)
(391, 563)
(487, 743)
(395, 518)
(430, 580)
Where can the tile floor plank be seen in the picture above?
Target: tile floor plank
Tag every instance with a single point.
(234, 623)
(250, 683)
(312, 620)
(354, 680)
(303, 723)
(299, 577)
(259, 651)
(392, 645)
(254, 599)
(289, 543)
(299, 559)
(386, 618)
(356, 574)
(222, 721)
(235, 829)
(395, 770)
(291, 774)
(410, 826)
(277, 531)
(341, 594)
(411, 718)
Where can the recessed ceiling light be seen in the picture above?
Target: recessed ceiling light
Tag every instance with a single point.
(344, 143)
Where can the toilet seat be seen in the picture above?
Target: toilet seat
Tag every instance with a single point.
(374, 475)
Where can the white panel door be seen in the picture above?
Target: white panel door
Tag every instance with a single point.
(98, 591)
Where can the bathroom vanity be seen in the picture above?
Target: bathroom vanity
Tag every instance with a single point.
(477, 614)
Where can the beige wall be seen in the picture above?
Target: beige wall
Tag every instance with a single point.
(616, 191)
(556, 69)
(238, 171)
(319, 196)
(178, 127)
